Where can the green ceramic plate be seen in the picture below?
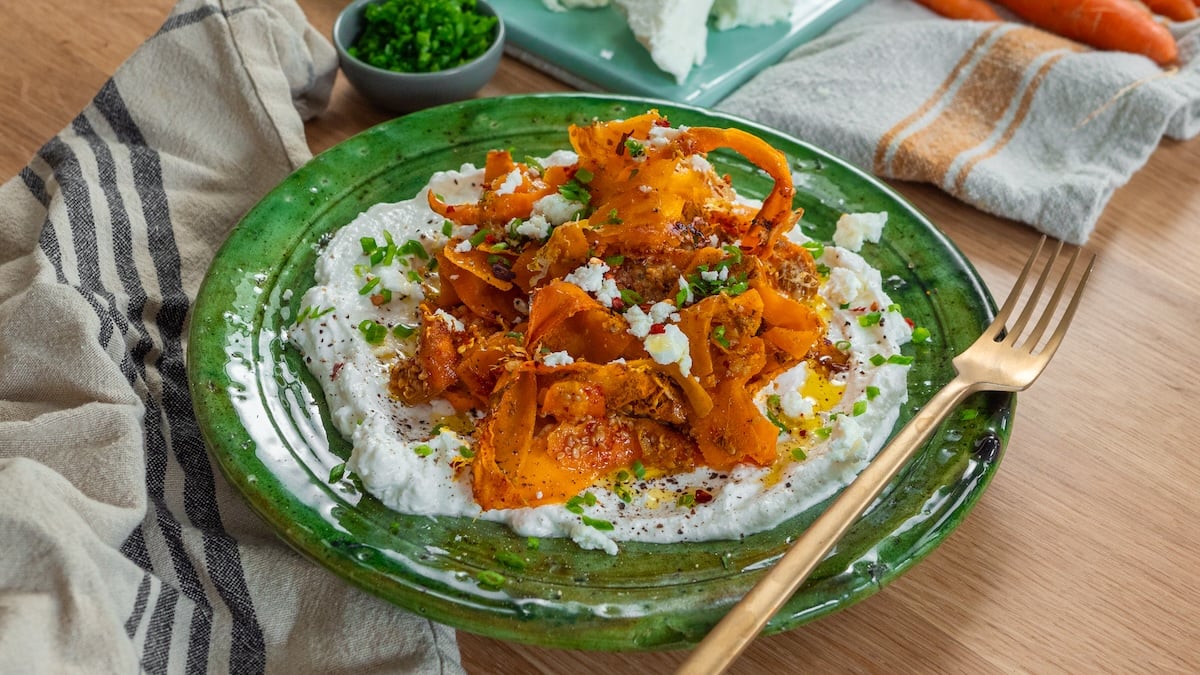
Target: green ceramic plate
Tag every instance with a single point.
(265, 420)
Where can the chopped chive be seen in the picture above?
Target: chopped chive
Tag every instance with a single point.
(373, 332)
(413, 276)
(635, 148)
(614, 260)
(872, 392)
(466, 451)
(823, 432)
(613, 219)
(389, 251)
(510, 559)
(823, 269)
(686, 499)
(597, 523)
(734, 253)
(368, 245)
(630, 296)
(842, 345)
(638, 469)
(921, 334)
(900, 359)
(816, 248)
(860, 407)
(447, 228)
(336, 473)
(878, 360)
(478, 238)
(799, 455)
(423, 450)
(718, 336)
(377, 256)
(870, 319)
(584, 176)
(414, 247)
(491, 580)
(402, 331)
(371, 283)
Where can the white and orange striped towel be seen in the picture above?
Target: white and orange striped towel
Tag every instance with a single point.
(1010, 119)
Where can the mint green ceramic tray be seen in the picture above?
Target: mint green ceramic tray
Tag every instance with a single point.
(594, 50)
(265, 421)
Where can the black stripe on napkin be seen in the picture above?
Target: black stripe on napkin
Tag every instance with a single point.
(222, 558)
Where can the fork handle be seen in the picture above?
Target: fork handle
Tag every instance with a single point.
(742, 624)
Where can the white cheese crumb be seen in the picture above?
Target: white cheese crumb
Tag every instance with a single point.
(535, 227)
(558, 359)
(589, 277)
(855, 228)
(844, 286)
(670, 346)
(450, 320)
(463, 246)
(511, 182)
(556, 209)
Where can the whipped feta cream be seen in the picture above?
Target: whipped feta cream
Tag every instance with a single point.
(412, 458)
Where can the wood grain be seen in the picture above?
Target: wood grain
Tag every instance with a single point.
(1079, 557)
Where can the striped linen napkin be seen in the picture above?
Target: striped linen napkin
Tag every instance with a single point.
(1015, 121)
(123, 550)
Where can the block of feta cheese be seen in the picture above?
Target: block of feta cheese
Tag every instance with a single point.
(675, 32)
(732, 13)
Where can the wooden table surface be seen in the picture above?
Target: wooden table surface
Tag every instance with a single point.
(1080, 555)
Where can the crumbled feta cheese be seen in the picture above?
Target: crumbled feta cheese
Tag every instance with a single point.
(450, 320)
(589, 277)
(608, 292)
(844, 286)
(662, 136)
(557, 359)
(670, 346)
(535, 227)
(847, 440)
(559, 158)
(855, 228)
(639, 322)
(463, 246)
(556, 209)
(511, 182)
(700, 164)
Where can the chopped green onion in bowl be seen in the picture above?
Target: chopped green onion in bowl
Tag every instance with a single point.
(422, 36)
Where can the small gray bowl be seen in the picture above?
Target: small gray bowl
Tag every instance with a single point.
(406, 92)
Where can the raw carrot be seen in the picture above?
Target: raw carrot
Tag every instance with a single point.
(1176, 10)
(977, 10)
(1122, 25)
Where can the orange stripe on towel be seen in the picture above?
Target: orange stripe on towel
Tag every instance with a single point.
(890, 137)
(976, 108)
(1018, 117)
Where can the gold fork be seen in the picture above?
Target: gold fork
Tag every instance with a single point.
(994, 362)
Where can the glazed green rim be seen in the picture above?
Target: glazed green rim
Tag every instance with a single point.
(265, 421)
